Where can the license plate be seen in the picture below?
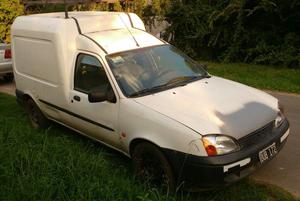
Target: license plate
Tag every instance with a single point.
(267, 153)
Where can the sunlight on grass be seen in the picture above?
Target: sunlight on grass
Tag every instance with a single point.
(263, 77)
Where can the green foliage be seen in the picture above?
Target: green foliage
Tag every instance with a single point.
(9, 10)
(160, 7)
(273, 78)
(139, 5)
(48, 8)
(90, 7)
(118, 7)
(252, 31)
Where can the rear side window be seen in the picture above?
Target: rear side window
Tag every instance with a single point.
(89, 74)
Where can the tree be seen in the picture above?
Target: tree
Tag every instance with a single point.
(252, 31)
(9, 10)
(118, 7)
(161, 7)
(139, 6)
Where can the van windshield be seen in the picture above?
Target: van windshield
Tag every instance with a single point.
(153, 69)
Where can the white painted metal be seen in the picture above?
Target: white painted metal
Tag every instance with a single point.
(215, 105)
(285, 135)
(240, 163)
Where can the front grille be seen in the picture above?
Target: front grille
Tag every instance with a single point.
(257, 135)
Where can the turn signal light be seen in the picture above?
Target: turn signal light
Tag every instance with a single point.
(210, 149)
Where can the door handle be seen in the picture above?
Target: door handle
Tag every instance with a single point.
(77, 98)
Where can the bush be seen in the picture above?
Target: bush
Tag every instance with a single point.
(252, 31)
(9, 10)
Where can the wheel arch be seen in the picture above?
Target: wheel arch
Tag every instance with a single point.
(26, 97)
(138, 141)
(134, 142)
(23, 97)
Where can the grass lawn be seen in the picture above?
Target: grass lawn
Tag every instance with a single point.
(264, 77)
(58, 164)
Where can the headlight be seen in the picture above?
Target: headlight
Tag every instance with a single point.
(219, 144)
(280, 116)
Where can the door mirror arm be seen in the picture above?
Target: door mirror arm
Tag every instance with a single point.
(110, 95)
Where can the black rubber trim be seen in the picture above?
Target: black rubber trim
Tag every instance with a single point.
(204, 171)
(130, 20)
(96, 43)
(79, 31)
(76, 115)
(77, 24)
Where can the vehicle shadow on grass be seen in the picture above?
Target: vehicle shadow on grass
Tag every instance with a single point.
(96, 146)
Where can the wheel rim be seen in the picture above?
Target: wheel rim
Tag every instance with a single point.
(151, 171)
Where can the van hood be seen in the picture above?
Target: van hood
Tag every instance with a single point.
(215, 106)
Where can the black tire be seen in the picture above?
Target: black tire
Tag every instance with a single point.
(36, 117)
(9, 77)
(151, 167)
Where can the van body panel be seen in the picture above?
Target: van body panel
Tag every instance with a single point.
(140, 122)
(40, 64)
(44, 66)
(103, 22)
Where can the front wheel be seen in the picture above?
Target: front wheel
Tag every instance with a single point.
(152, 167)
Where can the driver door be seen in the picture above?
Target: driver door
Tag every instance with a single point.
(97, 120)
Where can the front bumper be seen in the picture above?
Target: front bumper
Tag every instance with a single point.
(207, 172)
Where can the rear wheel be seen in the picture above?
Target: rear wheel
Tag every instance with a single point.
(152, 167)
(9, 77)
(36, 117)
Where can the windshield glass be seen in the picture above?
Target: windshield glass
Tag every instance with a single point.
(148, 70)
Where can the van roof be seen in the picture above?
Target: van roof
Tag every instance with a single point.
(113, 31)
(93, 21)
(120, 40)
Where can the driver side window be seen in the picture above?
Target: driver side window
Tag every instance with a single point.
(89, 74)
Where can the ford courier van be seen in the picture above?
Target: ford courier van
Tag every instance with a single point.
(102, 75)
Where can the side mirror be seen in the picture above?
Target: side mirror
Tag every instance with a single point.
(102, 94)
(96, 96)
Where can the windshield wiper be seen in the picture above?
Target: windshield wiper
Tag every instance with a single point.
(182, 80)
(177, 81)
(147, 90)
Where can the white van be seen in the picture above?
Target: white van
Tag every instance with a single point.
(102, 75)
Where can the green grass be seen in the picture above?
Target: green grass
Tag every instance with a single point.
(58, 164)
(259, 76)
